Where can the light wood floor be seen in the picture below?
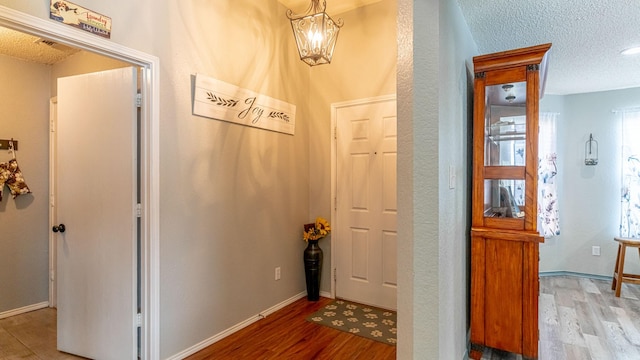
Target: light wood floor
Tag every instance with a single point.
(31, 336)
(580, 319)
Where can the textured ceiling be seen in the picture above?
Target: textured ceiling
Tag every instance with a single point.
(587, 38)
(31, 48)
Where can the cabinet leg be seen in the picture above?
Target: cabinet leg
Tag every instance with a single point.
(476, 352)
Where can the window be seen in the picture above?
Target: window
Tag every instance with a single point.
(548, 214)
(630, 212)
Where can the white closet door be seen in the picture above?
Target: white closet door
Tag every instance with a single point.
(96, 197)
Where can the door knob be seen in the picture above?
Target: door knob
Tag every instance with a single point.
(59, 228)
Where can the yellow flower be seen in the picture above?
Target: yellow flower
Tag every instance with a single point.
(317, 230)
(323, 226)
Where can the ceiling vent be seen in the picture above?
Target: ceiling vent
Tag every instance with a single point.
(52, 44)
(45, 41)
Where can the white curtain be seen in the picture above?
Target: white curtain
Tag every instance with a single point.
(548, 214)
(630, 212)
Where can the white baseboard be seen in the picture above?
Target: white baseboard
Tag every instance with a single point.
(212, 340)
(23, 310)
(576, 274)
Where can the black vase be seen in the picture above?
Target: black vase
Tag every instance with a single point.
(313, 269)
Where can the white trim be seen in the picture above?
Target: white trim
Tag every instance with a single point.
(364, 101)
(334, 172)
(241, 325)
(575, 274)
(53, 260)
(23, 310)
(283, 304)
(150, 219)
(150, 171)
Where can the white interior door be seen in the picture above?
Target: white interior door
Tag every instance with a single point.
(96, 201)
(366, 151)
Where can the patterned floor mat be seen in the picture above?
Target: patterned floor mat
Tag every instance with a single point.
(362, 320)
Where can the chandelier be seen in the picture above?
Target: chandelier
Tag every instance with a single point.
(316, 33)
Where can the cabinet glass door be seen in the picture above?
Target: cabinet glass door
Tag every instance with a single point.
(504, 198)
(505, 125)
(505, 129)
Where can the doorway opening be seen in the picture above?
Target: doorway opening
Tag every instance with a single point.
(149, 151)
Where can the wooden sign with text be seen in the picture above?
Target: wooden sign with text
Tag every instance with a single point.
(77, 16)
(223, 101)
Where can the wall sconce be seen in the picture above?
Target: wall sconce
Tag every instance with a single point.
(591, 151)
(316, 33)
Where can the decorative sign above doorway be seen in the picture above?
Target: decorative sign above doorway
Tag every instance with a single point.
(77, 16)
(223, 101)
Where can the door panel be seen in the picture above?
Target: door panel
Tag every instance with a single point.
(389, 263)
(96, 197)
(367, 204)
(503, 259)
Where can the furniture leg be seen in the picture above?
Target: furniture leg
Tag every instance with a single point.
(620, 269)
(615, 269)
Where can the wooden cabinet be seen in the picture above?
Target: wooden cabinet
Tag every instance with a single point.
(504, 240)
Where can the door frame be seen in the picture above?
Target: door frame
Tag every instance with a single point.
(334, 172)
(149, 144)
(53, 251)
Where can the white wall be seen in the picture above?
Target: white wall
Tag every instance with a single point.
(435, 48)
(455, 146)
(234, 198)
(418, 248)
(589, 201)
(24, 221)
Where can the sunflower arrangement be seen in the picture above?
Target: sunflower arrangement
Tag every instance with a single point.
(317, 230)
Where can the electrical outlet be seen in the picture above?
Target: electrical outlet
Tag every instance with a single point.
(595, 250)
(278, 273)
